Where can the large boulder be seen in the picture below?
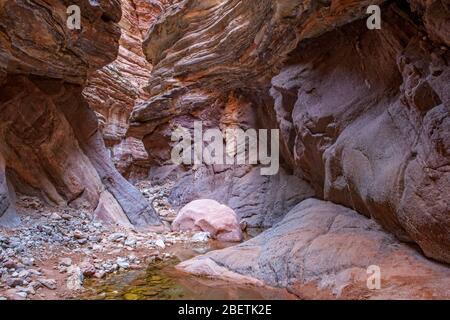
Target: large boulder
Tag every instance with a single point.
(210, 216)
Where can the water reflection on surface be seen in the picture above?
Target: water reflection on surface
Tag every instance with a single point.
(161, 281)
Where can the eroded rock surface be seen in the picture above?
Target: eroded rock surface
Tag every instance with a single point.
(363, 113)
(50, 141)
(257, 199)
(113, 91)
(207, 57)
(323, 250)
(365, 118)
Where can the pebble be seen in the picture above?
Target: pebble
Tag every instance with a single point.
(14, 282)
(77, 234)
(160, 243)
(116, 237)
(130, 242)
(200, 237)
(48, 283)
(100, 274)
(65, 262)
(27, 261)
(10, 264)
(88, 269)
(55, 216)
(123, 263)
(82, 241)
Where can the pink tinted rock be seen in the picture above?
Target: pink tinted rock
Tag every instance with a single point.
(210, 216)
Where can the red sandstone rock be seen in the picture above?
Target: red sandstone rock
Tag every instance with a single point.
(363, 113)
(209, 216)
(49, 137)
(323, 250)
(114, 90)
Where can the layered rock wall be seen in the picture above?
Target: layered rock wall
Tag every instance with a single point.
(378, 141)
(363, 113)
(50, 141)
(113, 91)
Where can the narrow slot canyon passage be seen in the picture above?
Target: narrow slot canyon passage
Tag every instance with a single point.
(224, 149)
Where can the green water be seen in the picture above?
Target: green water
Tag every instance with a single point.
(161, 281)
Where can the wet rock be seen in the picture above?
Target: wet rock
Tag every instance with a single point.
(82, 241)
(14, 294)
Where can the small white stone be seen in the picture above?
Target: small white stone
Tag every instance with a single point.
(160, 243)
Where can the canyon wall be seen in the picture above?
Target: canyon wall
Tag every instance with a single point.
(207, 56)
(113, 91)
(363, 114)
(50, 144)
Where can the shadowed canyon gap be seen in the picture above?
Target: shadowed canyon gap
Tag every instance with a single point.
(364, 120)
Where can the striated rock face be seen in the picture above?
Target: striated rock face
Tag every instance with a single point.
(434, 15)
(50, 143)
(259, 200)
(113, 91)
(230, 44)
(320, 245)
(363, 114)
(54, 51)
(365, 118)
(207, 56)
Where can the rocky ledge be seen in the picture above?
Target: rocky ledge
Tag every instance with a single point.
(323, 250)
